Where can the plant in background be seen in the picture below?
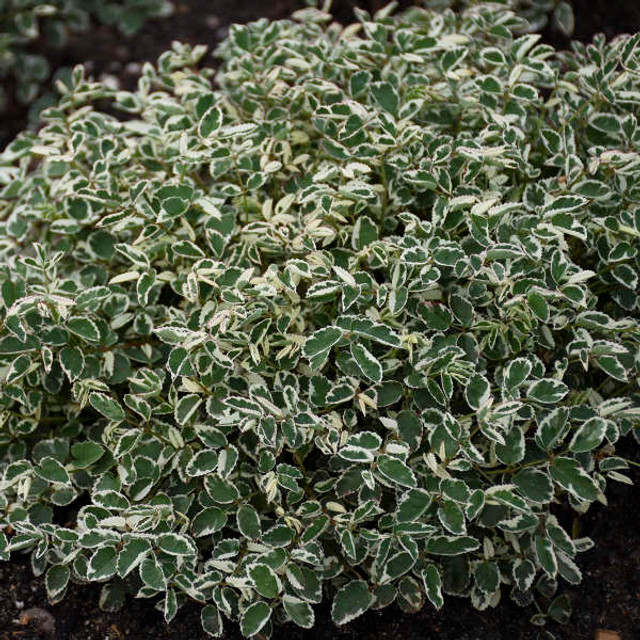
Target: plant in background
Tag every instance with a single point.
(540, 13)
(351, 323)
(24, 22)
(537, 13)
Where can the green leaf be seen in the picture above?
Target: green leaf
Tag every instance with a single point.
(560, 608)
(249, 522)
(613, 367)
(395, 471)
(592, 189)
(524, 572)
(389, 392)
(487, 576)
(367, 363)
(4, 543)
(410, 428)
(208, 521)
(560, 538)
(564, 204)
(552, 428)
(348, 543)
(227, 459)
(86, 453)
(398, 298)
(371, 330)
(595, 320)
(203, 463)
(351, 601)
(52, 471)
(300, 612)
(211, 621)
(552, 140)
(279, 535)
(131, 556)
(512, 450)
(398, 564)
(534, 485)
(462, 309)
(176, 545)
(265, 580)
(103, 563)
(152, 575)
(539, 306)
(546, 556)
(244, 406)
(365, 231)
(477, 391)
(107, 406)
(547, 391)
(84, 328)
(456, 490)
(18, 369)
(437, 317)
(210, 122)
(358, 82)
(254, 618)
(451, 545)
(476, 503)
(517, 372)
(589, 436)
(433, 585)
(173, 334)
(170, 605)
(568, 569)
(187, 249)
(317, 346)
(386, 96)
(564, 18)
(72, 362)
(412, 504)
(507, 497)
(452, 517)
(186, 408)
(56, 582)
(112, 596)
(568, 473)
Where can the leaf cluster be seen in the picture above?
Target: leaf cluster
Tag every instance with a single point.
(351, 322)
(23, 22)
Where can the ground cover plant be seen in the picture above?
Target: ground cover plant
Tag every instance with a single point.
(349, 322)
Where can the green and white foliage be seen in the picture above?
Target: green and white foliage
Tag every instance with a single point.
(23, 22)
(537, 13)
(344, 324)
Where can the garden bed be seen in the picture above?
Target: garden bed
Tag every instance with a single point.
(609, 596)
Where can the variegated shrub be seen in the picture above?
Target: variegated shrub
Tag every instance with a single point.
(352, 321)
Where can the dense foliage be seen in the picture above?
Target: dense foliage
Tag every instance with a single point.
(352, 322)
(23, 22)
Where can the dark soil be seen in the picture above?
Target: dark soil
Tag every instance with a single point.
(609, 596)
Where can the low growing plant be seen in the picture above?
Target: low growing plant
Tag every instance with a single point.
(23, 22)
(353, 322)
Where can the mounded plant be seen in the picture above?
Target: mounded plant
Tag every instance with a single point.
(352, 322)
